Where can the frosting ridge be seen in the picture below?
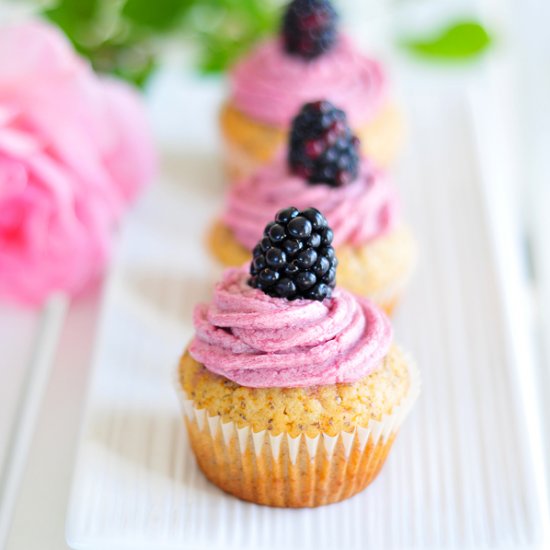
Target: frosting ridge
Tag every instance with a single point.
(259, 341)
(357, 212)
(271, 85)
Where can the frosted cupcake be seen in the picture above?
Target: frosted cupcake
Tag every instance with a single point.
(310, 59)
(292, 389)
(323, 169)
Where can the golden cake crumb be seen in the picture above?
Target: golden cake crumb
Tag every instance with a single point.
(329, 409)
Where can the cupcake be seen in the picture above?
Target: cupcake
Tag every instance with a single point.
(292, 388)
(323, 168)
(309, 60)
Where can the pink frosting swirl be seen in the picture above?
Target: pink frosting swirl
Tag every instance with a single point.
(357, 212)
(271, 86)
(259, 341)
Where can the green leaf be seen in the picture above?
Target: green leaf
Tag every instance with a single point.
(155, 14)
(461, 40)
(75, 9)
(123, 37)
(234, 26)
(73, 16)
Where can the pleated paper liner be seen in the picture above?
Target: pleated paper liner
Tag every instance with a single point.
(285, 471)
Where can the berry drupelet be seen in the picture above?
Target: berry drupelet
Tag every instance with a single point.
(295, 257)
(309, 28)
(322, 148)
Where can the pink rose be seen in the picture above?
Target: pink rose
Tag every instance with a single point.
(74, 150)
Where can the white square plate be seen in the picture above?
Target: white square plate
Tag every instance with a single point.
(465, 471)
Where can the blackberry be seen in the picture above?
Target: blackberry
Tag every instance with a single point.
(322, 148)
(295, 258)
(309, 28)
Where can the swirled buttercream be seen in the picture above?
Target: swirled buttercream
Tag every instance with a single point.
(259, 341)
(357, 212)
(271, 86)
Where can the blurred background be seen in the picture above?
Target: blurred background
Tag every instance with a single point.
(140, 41)
(177, 53)
(133, 38)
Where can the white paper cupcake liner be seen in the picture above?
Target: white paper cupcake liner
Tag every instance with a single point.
(375, 431)
(302, 471)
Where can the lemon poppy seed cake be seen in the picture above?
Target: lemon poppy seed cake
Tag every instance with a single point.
(292, 388)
